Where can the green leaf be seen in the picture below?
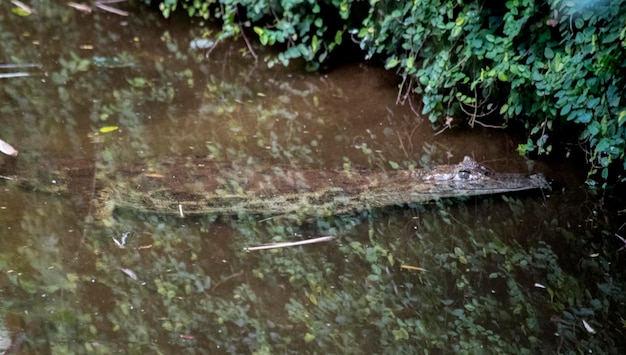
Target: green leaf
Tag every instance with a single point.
(579, 23)
(456, 31)
(603, 145)
(313, 299)
(620, 119)
(392, 62)
(548, 53)
(410, 61)
(20, 11)
(593, 102)
(339, 37)
(593, 128)
(400, 334)
(584, 117)
(605, 173)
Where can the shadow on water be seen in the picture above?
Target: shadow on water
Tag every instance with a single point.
(522, 272)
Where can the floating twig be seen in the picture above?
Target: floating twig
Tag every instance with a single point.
(411, 267)
(111, 9)
(18, 66)
(291, 244)
(87, 9)
(222, 281)
(14, 75)
(80, 7)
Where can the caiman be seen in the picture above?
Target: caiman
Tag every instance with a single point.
(189, 186)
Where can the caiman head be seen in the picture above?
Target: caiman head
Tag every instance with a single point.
(472, 178)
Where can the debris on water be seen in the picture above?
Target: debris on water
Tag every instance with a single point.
(130, 273)
(113, 62)
(201, 43)
(122, 242)
(588, 328)
(290, 244)
(7, 149)
(21, 9)
(108, 129)
(411, 267)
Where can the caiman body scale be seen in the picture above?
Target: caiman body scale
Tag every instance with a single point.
(191, 187)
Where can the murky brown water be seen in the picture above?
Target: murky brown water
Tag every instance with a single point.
(493, 274)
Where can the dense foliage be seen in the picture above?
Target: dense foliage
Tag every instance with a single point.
(547, 64)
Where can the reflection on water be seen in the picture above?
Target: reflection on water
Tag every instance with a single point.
(521, 272)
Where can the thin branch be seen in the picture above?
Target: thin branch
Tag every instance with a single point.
(490, 126)
(222, 281)
(208, 53)
(414, 110)
(248, 44)
(402, 145)
(447, 125)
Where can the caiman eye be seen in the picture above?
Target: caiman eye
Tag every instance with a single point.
(464, 174)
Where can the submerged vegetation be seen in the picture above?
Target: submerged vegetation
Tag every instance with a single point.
(390, 283)
(548, 65)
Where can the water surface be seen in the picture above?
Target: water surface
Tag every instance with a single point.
(534, 272)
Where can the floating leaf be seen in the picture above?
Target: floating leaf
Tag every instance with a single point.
(119, 245)
(313, 299)
(130, 273)
(7, 149)
(108, 129)
(588, 327)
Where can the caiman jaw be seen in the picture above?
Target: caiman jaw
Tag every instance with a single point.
(469, 178)
(467, 170)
